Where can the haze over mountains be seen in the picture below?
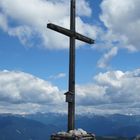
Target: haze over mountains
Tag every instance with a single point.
(40, 126)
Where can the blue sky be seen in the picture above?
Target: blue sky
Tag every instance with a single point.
(34, 60)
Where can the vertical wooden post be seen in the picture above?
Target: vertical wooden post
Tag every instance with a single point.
(71, 105)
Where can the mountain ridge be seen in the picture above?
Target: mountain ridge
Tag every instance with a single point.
(42, 125)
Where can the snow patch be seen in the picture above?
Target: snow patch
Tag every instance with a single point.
(78, 132)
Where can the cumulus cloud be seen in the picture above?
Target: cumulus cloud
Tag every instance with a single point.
(90, 94)
(20, 87)
(122, 20)
(109, 78)
(27, 21)
(111, 92)
(24, 93)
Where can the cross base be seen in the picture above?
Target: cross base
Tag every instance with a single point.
(69, 137)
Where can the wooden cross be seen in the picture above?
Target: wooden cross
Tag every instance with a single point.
(70, 95)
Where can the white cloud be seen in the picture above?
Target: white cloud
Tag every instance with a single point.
(90, 94)
(83, 8)
(119, 86)
(110, 92)
(24, 93)
(20, 87)
(58, 76)
(103, 62)
(109, 78)
(23, 33)
(122, 19)
(27, 20)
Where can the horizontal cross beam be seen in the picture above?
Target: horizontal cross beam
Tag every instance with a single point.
(70, 33)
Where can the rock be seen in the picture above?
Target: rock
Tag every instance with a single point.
(62, 133)
(82, 131)
(79, 132)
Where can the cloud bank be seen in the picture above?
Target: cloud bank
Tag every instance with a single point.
(110, 92)
(19, 87)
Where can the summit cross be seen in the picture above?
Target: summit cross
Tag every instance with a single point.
(73, 35)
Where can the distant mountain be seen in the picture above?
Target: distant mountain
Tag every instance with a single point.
(40, 126)
(60, 120)
(19, 128)
(113, 125)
